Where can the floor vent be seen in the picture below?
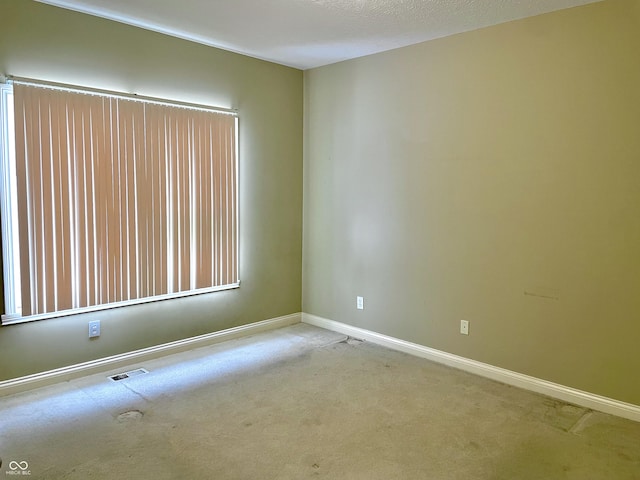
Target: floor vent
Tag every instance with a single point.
(133, 373)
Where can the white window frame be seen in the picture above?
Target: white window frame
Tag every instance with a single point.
(8, 206)
(8, 210)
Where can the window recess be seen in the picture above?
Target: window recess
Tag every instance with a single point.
(109, 200)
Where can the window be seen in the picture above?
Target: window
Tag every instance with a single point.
(108, 200)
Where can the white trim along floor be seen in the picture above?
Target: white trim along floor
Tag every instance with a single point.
(554, 390)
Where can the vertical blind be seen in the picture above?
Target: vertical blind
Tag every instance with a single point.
(120, 199)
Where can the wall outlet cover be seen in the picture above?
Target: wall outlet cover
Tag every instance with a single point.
(94, 329)
(464, 327)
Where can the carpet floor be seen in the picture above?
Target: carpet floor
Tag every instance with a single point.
(303, 402)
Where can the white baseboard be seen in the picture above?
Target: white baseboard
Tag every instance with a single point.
(50, 377)
(561, 392)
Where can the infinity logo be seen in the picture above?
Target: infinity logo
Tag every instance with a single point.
(13, 465)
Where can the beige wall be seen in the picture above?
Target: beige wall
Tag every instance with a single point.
(442, 181)
(45, 42)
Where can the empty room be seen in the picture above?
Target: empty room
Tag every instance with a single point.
(340, 239)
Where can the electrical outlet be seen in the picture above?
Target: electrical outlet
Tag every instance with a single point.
(94, 329)
(360, 303)
(464, 327)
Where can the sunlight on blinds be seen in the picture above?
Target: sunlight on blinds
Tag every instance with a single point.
(120, 200)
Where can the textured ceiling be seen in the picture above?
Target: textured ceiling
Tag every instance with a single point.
(311, 33)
